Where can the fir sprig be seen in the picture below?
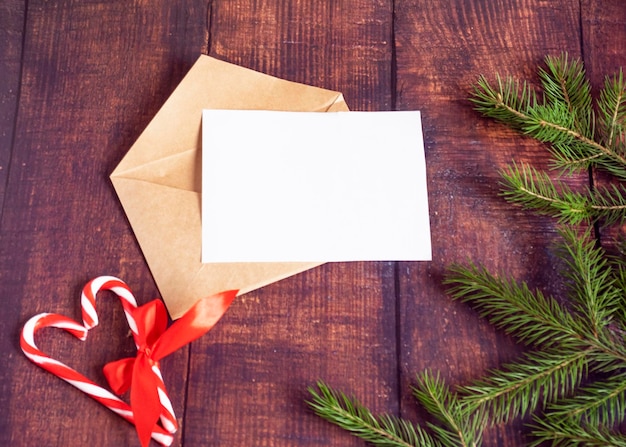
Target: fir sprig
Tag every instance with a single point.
(564, 116)
(349, 414)
(573, 381)
(600, 403)
(612, 106)
(566, 432)
(455, 426)
(528, 315)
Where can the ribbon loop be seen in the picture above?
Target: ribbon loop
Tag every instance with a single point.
(156, 341)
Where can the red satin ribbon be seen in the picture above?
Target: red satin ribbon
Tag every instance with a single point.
(155, 341)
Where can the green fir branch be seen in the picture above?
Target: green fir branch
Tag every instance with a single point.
(529, 316)
(563, 119)
(458, 426)
(510, 103)
(351, 415)
(524, 387)
(591, 280)
(609, 204)
(516, 105)
(565, 83)
(600, 403)
(612, 106)
(530, 188)
(566, 432)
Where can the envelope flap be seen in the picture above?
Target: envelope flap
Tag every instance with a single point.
(181, 171)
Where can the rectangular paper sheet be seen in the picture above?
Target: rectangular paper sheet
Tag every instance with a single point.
(305, 186)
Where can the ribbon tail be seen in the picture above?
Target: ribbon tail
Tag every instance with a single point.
(144, 400)
(119, 374)
(196, 322)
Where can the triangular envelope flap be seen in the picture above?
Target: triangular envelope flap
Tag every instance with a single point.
(180, 171)
(170, 243)
(214, 84)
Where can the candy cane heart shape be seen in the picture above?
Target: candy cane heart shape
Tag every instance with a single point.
(71, 376)
(155, 341)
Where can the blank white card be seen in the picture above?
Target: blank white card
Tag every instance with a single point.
(309, 186)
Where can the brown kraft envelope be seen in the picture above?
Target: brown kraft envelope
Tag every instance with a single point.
(158, 181)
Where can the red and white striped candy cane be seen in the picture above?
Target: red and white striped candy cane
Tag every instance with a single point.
(115, 285)
(90, 319)
(73, 377)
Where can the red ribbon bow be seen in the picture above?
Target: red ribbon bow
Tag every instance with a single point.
(155, 341)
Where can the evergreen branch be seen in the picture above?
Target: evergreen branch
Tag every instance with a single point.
(613, 167)
(564, 82)
(459, 428)
(591, 280)
(526, 386)
(601, 403)
(349, 414)
(612, 106)
(515, 105)
(573, 157)
(509, 103)
(531, 317)
(533, 189)
(565, 432)
(609, 203)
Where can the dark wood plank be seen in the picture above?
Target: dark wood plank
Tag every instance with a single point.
(250, 374)
(441, 50)
(12, 15)
(337, 322)
(603, 28)
(344, 46)
(94, 74)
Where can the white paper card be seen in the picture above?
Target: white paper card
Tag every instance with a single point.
(308, 186)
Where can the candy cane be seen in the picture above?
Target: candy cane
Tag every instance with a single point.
(117, 286)
(90, 320)
(73, 377)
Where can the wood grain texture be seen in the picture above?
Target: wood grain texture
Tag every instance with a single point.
(441, 51)
(93, 75)
(337, 322)
(249, 376)
(341, 45)
(12, 15)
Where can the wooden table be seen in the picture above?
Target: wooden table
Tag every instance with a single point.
(81, 80)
